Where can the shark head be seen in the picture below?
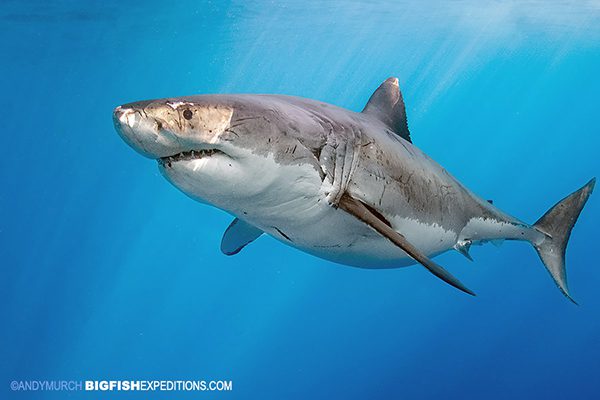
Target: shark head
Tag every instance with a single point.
(217, 149)
(160, 129)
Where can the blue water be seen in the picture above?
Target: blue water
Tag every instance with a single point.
(108, 272)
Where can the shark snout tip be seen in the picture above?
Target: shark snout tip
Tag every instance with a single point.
(121, 116)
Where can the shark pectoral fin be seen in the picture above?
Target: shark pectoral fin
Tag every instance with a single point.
(378, 223)
(237, 236)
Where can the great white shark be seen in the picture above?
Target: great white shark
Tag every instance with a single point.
(346, 186)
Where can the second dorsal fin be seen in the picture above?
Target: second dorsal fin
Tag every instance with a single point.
(387, 105)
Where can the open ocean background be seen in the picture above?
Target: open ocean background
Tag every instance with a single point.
(108, 272)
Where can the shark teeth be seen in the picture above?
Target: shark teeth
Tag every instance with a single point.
(188, 155)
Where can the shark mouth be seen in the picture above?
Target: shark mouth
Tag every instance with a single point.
(188, 156)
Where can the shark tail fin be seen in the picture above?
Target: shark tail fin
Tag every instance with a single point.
(556, 225)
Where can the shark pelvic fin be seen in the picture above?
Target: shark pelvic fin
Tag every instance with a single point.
(463, 248)
(372, 218)
(387, 105)
(237, 236)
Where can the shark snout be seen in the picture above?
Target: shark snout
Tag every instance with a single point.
(143, 132)
(123, 118)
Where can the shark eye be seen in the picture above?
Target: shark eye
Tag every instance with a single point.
(187, 114)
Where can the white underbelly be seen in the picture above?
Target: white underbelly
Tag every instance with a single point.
(335, 235)
(295, 211)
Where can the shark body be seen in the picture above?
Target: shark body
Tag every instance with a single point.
(344, 186)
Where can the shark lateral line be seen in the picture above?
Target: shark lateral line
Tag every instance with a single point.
(344, 186)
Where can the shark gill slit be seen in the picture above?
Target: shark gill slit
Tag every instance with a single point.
(283, 234)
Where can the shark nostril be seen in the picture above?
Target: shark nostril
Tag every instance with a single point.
(119, 114)
(126, 116)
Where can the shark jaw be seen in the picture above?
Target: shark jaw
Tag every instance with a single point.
(167, 162)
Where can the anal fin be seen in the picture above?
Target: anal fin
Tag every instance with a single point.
(362, 212)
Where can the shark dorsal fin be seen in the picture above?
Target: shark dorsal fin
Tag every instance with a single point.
(387, 105)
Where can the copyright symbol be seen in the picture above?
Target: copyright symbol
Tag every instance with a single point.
(14, 385)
